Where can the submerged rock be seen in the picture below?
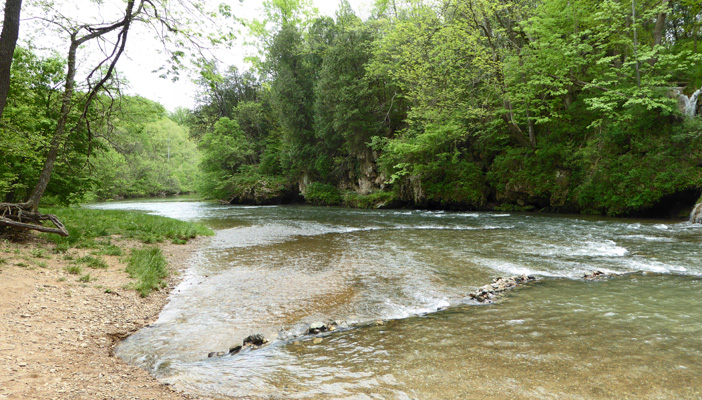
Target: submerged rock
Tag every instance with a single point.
(598, 274)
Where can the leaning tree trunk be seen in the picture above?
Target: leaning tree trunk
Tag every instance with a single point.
(8, 40)
(69, 88)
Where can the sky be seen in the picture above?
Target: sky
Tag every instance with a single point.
(142, 57)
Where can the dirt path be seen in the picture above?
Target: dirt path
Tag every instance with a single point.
(57, 333)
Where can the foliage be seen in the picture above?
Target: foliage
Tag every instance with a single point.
(147, 154)
(379, 199)
(251, 187)
(559, 104)
(26, 129)
(322, 194)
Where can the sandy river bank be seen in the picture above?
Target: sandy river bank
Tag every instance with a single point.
(57, 333)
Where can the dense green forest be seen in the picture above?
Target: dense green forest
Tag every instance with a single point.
(557, 105)
(568, 105)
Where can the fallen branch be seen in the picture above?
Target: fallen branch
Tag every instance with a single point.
(20, 216)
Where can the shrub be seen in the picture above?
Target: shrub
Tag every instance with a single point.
(322, 194)
(379, 199)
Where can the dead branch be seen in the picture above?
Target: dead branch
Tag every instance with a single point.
(20, 216)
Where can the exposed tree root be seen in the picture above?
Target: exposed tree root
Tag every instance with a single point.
(20, 217)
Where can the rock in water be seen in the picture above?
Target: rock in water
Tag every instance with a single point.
(317, 327)
(255, 340)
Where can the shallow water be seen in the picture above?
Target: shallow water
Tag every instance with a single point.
(275, 270)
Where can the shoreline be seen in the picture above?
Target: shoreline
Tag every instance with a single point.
(58, 334)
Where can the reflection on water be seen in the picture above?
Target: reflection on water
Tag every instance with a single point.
(275, 270)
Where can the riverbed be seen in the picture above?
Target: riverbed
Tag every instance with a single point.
(400, 280)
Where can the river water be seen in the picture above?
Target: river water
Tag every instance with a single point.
(276, 270)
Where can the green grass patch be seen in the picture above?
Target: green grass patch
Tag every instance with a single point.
(85, 226)
(92, 262)
(85, 278)
(39, 253)
(148, 267)
(74, 269)
(109, 249)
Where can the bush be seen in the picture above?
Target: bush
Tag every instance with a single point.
(322, 194)
(378, 199)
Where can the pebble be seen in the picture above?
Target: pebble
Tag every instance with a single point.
(317, 341)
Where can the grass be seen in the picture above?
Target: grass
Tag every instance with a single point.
(109, 249)
(39, 253)
(94, 229)
(85, 226)
(148, 267)
(92, 262)
(74, 269)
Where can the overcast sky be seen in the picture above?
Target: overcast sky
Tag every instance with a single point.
(142, 58)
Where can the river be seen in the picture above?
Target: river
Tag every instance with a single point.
(275, 270)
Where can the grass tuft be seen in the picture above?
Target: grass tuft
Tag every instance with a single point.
(74, 269)
(148, 267)
(92, 262)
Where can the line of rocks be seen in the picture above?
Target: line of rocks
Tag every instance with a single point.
(257, 341)
(489, 293)
(485, 294)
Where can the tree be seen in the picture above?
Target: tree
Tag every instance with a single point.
(112, 38)
(8, 39)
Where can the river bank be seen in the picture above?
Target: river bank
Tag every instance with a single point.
(58, 331)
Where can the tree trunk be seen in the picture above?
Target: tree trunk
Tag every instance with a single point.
(659, 28)
(8, 40)
(59, 135)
